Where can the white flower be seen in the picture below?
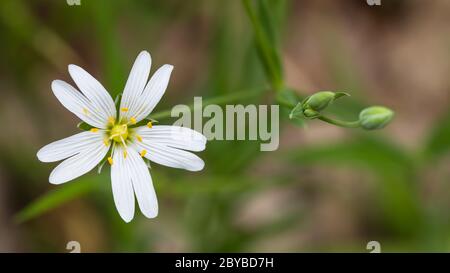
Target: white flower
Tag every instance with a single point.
(117, 136)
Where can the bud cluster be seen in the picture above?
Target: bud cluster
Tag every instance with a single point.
(371, 118)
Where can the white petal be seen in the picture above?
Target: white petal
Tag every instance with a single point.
(142, 184)
(152, 93)
(173, 136)
(93, 90)
(135, 84)
(69, 146)
(171, 157)
(122, 187)
(78, 104)
(79, 164)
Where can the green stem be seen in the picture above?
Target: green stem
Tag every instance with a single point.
(220, 100)
(341, 123)
(285, 103)
(269, 54)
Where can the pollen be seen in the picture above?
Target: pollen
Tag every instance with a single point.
(110, 160)
(125, 153)
(143, 153)
(111, 120)
(133, 120)
(85, 111)
(124, 109)
(149, 124)
(139, 138)
(94, 130)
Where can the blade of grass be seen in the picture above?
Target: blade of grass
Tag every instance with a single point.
(269, 54)
(24, 25)
(104, 15)
(220, 100)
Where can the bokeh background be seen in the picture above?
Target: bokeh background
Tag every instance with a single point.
(325, 189)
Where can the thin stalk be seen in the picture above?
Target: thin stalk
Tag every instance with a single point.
(341, 123)
(220, 100)
(263, 43)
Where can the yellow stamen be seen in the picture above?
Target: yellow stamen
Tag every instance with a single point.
(94, 130)
(85, 111)
(125, 153)
(124, 109)
(133, 120)
(119, 132)
(110, 160)
(111, 120)
(143, 153)
(149, 124)
(125, 145)
(139, 138)
(106, 141)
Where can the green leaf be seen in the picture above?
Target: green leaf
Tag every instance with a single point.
(297, 112)
(287, 98)
(338, 95)
(269, 54)
(117, 100)
(267, 20)
(84, 126)
(105, 25)
(55, 198)
(237, 96)
(297, 116)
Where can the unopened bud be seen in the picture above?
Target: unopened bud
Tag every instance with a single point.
(321, 100)
(309, 113)
(375, 117)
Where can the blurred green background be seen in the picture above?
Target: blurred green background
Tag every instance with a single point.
(325, 189)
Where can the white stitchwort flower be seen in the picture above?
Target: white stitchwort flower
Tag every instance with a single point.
(119, 138)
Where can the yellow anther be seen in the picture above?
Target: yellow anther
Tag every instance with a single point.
(111, 120)
(149, 124)
(139, 138)
(85, 111)
(110, 160)
(133, 120)
(124, 109)
(143, 153)
(94, 130)
(106, 141)
(125, 153)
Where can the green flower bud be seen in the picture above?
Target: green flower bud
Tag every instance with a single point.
(375, 117)
(310, 113)
(321, 100)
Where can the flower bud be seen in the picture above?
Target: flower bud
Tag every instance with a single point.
(310, 113)
(375, 117)
(321, 100)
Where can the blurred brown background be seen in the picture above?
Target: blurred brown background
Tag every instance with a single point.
(325, 189)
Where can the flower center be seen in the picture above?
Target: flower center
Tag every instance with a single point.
(119, 133)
